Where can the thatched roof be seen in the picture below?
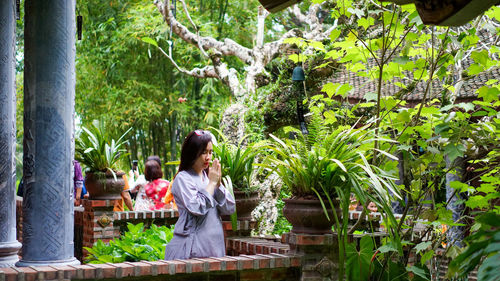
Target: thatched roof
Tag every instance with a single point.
(364, 85)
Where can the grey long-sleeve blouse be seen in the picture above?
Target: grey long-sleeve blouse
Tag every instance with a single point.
(198, 232)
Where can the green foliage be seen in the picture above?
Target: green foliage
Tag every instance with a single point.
(390, 46)
(127, 83)
(281, 225)
(359, 260)
(483, 250)
(237, 161)
(329, 163)
(95, 149)
(136, 244)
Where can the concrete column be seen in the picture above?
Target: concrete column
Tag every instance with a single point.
(9, 246)
(49, 96)
(456, 234)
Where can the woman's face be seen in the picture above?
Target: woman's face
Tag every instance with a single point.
(203, 161)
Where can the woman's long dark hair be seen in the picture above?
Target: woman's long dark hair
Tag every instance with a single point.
(193, 146)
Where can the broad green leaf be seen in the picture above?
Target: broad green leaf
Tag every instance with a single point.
(453, 151)
(330, 89)
(462, 187)
(480, 57)
(427, 256)
(358, 262)
(389, 247)
(335, 34)
(330, 117)
(477, 201)
(422, 246)
(366, 22)
(149, 41)
(488, 94)
(475, 69)
(344, 89)
(422, 272)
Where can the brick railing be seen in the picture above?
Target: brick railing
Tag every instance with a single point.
(257, 267)
(290, 257)
(253, 246)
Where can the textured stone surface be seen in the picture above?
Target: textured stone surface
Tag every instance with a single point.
(49, 95)
(8, 243)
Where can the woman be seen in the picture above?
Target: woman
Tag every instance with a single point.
(156, 188)
(200, 199)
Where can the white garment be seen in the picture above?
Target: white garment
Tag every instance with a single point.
(142, 202)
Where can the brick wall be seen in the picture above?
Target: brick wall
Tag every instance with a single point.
(96, 220)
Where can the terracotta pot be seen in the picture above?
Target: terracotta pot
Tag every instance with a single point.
(245, 204)
(307, 216)
(104, 186)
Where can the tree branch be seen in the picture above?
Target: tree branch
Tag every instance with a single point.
(298, 14)
(205, 72)
(226, 48)
(184, 6)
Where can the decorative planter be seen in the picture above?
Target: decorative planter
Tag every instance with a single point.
(104, 186)
(245, 204)
(307, 216)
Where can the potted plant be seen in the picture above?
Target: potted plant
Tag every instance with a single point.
(100, 154)
(322, 169)
(237, 162)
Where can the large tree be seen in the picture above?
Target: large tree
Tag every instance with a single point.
(122, 82)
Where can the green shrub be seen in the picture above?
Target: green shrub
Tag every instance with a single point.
(136, 244)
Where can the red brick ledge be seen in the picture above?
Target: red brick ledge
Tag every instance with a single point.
(154, 268)
(240, 225)
(134, 215)
(254, 246)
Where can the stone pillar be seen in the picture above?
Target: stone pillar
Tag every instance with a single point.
(456, 234)
(9, 246)
(49, 97)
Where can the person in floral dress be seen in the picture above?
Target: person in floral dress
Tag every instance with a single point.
(156, 188)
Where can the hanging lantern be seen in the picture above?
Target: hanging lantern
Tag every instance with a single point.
(79, 26)
(274, 6)
(298, 78)
(18, 9)
(448, 13)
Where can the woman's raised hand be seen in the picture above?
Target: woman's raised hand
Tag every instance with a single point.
(214, 177)
(214, 174)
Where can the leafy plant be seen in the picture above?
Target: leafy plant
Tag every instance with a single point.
(237, 161)
(136, 244)
(483, 251)
(97, 150)
(330, 164)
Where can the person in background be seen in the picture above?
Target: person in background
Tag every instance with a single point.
(77, 183)
(200, 199)
(126, 199)
(156, 188)
(169, 199)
